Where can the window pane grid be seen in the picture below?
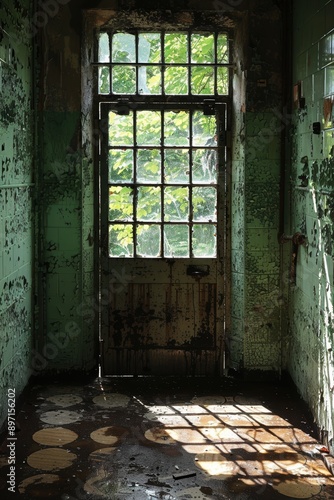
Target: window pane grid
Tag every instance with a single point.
(167, 63)
(156, 213)
(162, 164)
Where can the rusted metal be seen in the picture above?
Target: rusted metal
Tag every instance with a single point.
(297, 240)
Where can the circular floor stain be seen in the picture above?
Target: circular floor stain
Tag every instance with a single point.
(111, 400)
(159, 435)
(102, 454)
(188, 436)
(65, 400)
(39, 479)
(55, 436)
(60, 417)
(108, 435)
(298, 488)
(51, 459)
(214, 463)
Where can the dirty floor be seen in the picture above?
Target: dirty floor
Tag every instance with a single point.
(145, 438)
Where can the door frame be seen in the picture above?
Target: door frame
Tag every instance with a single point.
(223, 255)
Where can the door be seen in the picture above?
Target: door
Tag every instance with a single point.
(163, 238)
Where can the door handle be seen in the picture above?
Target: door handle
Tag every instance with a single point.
(198, 272)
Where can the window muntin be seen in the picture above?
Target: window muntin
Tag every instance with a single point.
(162, 171)
(166, 63)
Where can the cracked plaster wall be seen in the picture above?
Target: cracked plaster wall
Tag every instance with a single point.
(311, 331)
(16, 200)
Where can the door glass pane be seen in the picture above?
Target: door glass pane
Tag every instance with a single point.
(176, 128)
(176, 240)
(204, 166)
(120, 203)
(204, 204)
(148, 128)
(121, 240)
(176, 204)
(120, 165)
(124, 79)
(204, 129)
(149, 203)
(176, 166)
(202, 80)
(149, 48)
(120, 129)
(202, 48)
(204, 240)
(176, 80)
(123, 48)
(176, 48)
(149, 165)
(148, 241)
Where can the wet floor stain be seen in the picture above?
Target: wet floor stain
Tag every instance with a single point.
(101, 455)
(108, 435)
(38, 480)
(159, 435)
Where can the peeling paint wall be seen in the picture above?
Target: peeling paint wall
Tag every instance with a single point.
(255, 338)
(66, 335)
(311, 347)
(16, 200)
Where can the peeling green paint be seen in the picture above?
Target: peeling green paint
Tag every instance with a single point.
(16, 200)
(310, 341)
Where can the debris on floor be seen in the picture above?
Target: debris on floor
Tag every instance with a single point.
(145, 439)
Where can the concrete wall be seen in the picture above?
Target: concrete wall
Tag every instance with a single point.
(16, 199)
(311, 360)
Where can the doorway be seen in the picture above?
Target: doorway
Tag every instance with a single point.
(162, 160)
